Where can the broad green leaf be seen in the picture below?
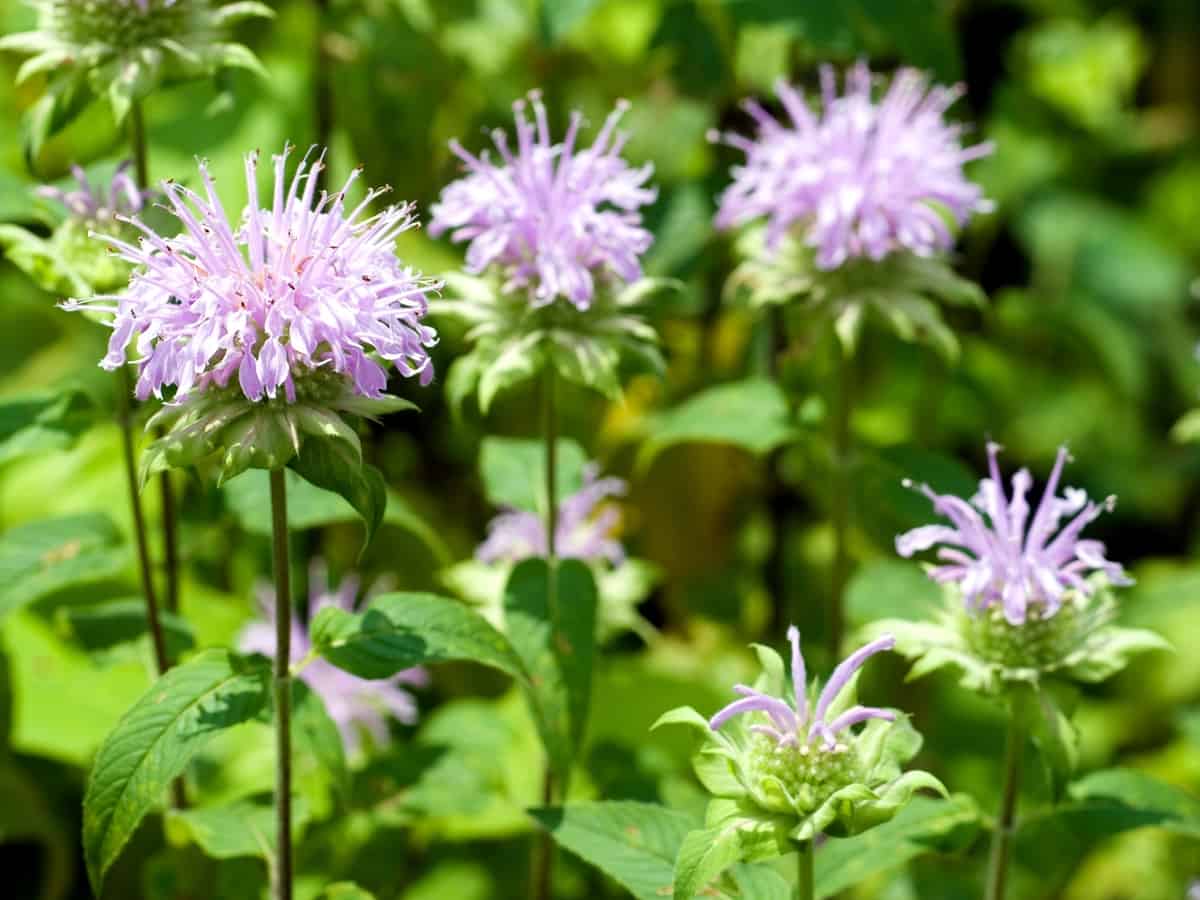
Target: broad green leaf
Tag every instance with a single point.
(329, 464)
(44, 422)
(399, 631)
(316, 734)
(46, 556)
(309, 506)
(925, 825)
(102, 626)
(552, 627)
(513, 470)
(633, 843)
(154, 741)
(707, 853)
(751, 414)
(240, 828)
(890, 589)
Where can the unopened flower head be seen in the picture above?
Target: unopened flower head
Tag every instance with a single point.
(353, 703)
(583, 530)
(305, 294)
(124, 48)
(859, 177)
(552, 218)
(96, 207)
(1022, 566)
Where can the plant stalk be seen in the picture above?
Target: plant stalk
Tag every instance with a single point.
(805, 872)
(1002, 835)
(282, 871)
(542, 864)
(843, 450)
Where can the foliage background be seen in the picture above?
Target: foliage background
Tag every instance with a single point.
(1091, 260)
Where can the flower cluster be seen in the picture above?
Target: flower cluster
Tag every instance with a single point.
(299, 291)
(550, 217)
(583, 529)
(353, 703)
(96, 208)
(1025, 566)
(796, 753)
(861, 178)
(122, 49)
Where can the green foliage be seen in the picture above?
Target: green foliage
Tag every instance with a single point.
(508, 467)
(103, 626)
(154, 741)
(552, 626)
(241, 828)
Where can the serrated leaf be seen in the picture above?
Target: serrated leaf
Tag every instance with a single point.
(331, 465)
(925, 825)
(399, 631)
(552, 627)
(102, 626)
(43, 557)
(751, 414)
(154, 741)
(511, 471)
(707, 853)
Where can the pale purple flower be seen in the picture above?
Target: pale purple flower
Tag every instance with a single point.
(91, 204)
(584, 529)
(298, 288)
(1007, 558)
(353, 703)
(551, 217)
(1194, 891)
(791, 721)
(858, 177)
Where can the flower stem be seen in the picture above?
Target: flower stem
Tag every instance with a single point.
(843, 450)
(1005, 821)
(806, 879)
(137, 145)
(542, 864)
(282, 888)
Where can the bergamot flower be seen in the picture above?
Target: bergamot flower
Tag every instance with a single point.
(796, 761)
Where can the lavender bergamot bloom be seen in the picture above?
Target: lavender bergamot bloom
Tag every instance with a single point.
(259, 332)
(554, 241)
(796, 760)
(69, 261)
(851, 204)
(356, 705)
(586, 529)
(123, 49)
(1027, 597)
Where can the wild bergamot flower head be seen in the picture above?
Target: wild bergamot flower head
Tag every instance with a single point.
(552, 218)
(796, 759)
(297, 309)
(124, 49)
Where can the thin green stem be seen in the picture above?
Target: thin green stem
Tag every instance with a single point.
(137, 144)
(843, 450)
(542, 864)
(1006, 819)
(282, 873)
(805, 872)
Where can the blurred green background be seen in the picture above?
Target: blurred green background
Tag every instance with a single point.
(1092, 263)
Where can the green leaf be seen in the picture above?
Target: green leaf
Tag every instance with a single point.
(44, 422)
(1187, 429)
(633, 843)
(925, 825)
(345, 890)
(46, 556)
(39, 259)
(102, 626)
(154, 741)
(552, 627)
(888, 588)
(560, 16)
(707, 853)
(751, 414)
(511, 470)
(315, 733)
(330, 464)
(399, 631)
(232, 830)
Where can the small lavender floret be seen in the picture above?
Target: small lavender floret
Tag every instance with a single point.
(795, 724)
(353, 703)
(583, 530)
(92, 205)
(301, 289)
(1024, 566)
(860, 178)
(552, 218)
